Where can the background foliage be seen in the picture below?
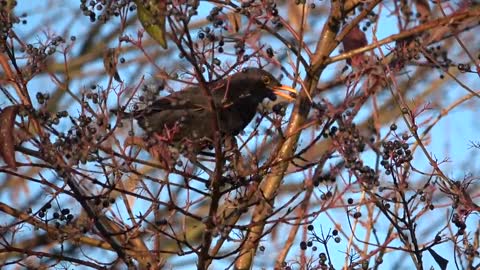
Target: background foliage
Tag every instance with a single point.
(373, 167)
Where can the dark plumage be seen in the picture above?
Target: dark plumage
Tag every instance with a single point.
(186, 117)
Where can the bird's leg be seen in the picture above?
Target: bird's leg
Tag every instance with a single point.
(169, 133)
(172, 131)
(161, 151)
(236, 157)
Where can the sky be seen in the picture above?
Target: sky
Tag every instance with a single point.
(452, 138)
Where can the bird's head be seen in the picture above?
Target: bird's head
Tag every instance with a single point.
(261, 84)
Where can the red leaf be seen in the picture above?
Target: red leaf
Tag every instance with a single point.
(353, 40)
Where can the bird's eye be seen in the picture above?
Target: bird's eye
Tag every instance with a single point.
(266, 79)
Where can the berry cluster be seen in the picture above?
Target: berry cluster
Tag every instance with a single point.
(323, 258)
(350, 144)
(214, 17)
(406, 50)
(63, 215)
(324, 178)
(438, 57)
(7, 20)
(37, 55)
(459, 223)
(78, 144)
(463, 68)
(105, 7)
(395, 153)
(104, 202)
(350, 141)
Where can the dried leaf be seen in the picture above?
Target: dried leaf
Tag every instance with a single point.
(110, 61)
(295, 15)
(423, 9)
(152, 15)
(442, 262)
(7, 143)
(353, 40)
(235, 21)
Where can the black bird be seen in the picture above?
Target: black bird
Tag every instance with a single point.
(185, 118)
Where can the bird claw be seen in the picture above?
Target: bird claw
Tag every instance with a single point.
(169, 133)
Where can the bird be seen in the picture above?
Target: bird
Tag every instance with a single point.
(185, 118)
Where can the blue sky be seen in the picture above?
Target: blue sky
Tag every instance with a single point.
(451, 137)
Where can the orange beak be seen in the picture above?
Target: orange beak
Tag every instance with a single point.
(290, 96)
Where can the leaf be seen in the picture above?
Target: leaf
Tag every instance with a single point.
(295, 15)
(7, 144)
(423, 9)
(442, 262)
(110, 61)
(235, 21)
(152, 16)
(355, 39)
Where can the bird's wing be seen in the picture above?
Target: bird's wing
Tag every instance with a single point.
(183, 100)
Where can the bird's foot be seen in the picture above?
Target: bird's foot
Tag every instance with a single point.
(168, 134)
